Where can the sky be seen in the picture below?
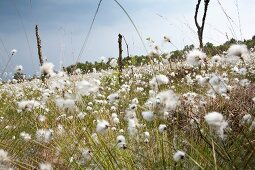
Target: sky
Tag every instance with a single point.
(63, 25)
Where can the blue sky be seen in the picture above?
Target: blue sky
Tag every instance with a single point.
(64, 23)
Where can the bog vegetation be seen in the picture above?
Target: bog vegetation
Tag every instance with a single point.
(193, 111)
(186, 109)
(209, 49)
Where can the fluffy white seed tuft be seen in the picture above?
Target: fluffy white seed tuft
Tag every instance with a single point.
(162, 128)
(47, 69)
(45, 166)
(216, 121)
(195, 58)
(148, 115)
(179, 155)
(102, 126)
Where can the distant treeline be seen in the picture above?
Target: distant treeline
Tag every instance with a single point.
(209, 49)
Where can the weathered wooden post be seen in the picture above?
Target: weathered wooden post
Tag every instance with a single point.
(120, 57)
(39, 46)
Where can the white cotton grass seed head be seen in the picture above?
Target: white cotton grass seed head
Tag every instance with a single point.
(168, 100)
(253, 99)
(132, 130)
(214, 118)
(252, 125)
(121, 141)
(113, 97)
(69, 103)
(215, 80)
(179, 155)
(216, 60)
(146, 135)
(166, 115)
(102, 126)
(114, 129)
(238, 53)
(113, 108)
(217, 122)
(25, 136)
(45, 166)
(13, 52)
(113, 63)
(71, 159)
(132, 106)
(89, 108)
(114, 115)
(239, 50)
(86, 154)
(247, 119)
(115, 121)
(202, 80)
(195, 58)
(4, 156)
(77, 71)
(65, 103)
(81, 115)
(28, 105)
(41, 118)
(44, 135)
(47, 69)
(85, 88)
(158, 80)
(162, 128)
(18, 68)
(152, 93)
(244, 82)
(167, 39)
(146, 140)
(139, 89)
(148, 116)
(135, 101)
(121, 131)
(242, 71)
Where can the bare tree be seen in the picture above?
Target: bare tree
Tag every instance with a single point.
(200, 28)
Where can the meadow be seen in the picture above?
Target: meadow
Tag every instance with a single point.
(192, 113)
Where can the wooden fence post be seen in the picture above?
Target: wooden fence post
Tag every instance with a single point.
(120, 57)
(39, 46)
